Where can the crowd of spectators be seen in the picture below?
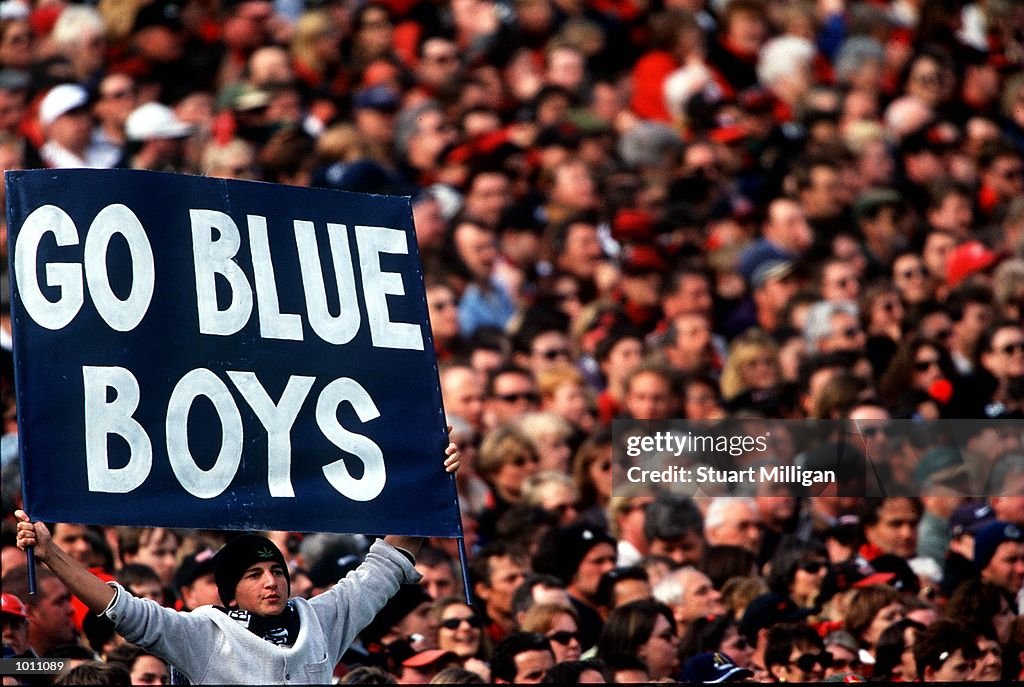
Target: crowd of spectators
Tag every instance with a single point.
(699, 209)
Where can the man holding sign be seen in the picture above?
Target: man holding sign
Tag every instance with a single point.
(262, 636)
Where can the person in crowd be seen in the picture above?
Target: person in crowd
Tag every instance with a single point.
(253, 580)
(460, 630)
(647, 630)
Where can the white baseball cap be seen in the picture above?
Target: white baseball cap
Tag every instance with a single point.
(61, 100)
(153, 121)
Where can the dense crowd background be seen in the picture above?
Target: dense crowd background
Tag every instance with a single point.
(624, 208)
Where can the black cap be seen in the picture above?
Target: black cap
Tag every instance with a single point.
(193, 567)
(165, 13)
(237, 556)
(770, 609)
(408, 598)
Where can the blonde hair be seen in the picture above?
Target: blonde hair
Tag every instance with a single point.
(743, 349)
(216, 156)
(341, 143)
(541, 617)
(541, 424)
(498, 447)
(548, 381)
(535, 483)
(308, 29)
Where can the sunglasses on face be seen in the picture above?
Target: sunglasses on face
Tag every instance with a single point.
(527, 396)
(554, 354)
(925, 365)
(812, 567)
(564, 637)
(454, 623)
(806, 662)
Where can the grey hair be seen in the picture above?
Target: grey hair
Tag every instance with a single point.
(782, 56)
(854, 54)
(715, 516)
(672, 590)
(408, 121)
(818, 324)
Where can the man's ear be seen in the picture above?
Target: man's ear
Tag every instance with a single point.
(482, 591)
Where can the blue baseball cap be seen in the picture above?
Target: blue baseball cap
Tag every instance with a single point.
(712, 668)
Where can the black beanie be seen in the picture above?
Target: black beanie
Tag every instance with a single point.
(563, 549)
(237, 556)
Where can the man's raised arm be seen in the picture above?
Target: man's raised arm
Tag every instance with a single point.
(93, 592)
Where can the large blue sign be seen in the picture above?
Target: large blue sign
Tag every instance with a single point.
(205, 353)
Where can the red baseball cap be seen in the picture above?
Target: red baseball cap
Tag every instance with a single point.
(12, 605)
(968, 258)
(428, 657)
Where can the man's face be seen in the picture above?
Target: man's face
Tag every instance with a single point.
(977, 318)
(649, 397)
(531, 666)
(955, 669)
(263, 589)
(15, 632)
(116, 99)
(477, 248)
(693, 335)
(821, 199)
(1006, 177)
(150, 670)
(685, 550)
(548, 350)
(787, 226)
(438, 580)
(439, 63)
(52, 618)
(695, 291)
(896, 529)
(954, 214)
(74, 541)
(840, 282)
(514, 394)
(463, 393)
(701, 598)
(72, 129)
(159, 552)
(12, 109)
(846, 334)
(506, 574)
(488, 197)
(742, 526)
(582, 253)
(1006, 568)
(596, 563)
(202, 592)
